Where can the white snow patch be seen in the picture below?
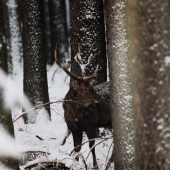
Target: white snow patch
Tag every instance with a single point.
(53, 133)
(3, 167)
(44, 135)
(167, 60)
(160, 127)
(12, 93)
(7, 144)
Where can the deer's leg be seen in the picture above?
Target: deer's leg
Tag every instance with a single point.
(77, 138)
(91, 134)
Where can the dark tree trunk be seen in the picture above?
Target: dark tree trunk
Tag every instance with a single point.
(87, 28)
(5, 116)
(58, 25)
(13, 36)
(35, 78)
(4, 28)
(47, 33)
(3, 46)
(149, 32)
(120, 81)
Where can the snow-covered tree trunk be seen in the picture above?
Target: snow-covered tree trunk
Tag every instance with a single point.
(35, 78)
(59, 28)
(149, 32)
(87, 28)
(120, 81)
(13, 36)
(5, 116)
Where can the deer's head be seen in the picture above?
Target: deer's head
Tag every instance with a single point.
(84, 93)
(81, 87)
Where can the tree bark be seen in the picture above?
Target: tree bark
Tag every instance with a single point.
(87, 28)
(120, 81)
(3, 46)
(35, 76)
(58, 23)
(149, 35)
(5, 116)
(47, 33)
(13, 36)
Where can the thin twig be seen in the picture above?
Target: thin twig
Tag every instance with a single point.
(110, 137)
(109, 161)
(39, 107)
(109, 151)
(95, 146)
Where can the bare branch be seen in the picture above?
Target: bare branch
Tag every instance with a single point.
(110, 137)
(96, 145)
(39, 107)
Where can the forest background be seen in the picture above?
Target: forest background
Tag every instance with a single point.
(136, 36)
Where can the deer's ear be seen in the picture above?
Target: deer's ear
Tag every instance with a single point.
(74, 84)
(92, 82)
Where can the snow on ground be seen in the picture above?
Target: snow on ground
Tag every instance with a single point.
(48, 136)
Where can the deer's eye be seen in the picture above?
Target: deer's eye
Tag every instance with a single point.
(85, 89)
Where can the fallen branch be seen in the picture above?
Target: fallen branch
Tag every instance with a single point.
(39, 137)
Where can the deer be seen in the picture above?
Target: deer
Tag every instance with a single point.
(85, 106)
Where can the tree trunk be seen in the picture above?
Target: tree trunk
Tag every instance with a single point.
(13, 36)
(149, 34)
(120, 81)
(3, 47)
(47, 33)
(58, 25)
(5, 116)
(87, 28)
(35, 78)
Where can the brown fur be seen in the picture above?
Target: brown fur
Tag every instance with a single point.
(82, 117)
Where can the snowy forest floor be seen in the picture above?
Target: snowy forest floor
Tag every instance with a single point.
(48, 137)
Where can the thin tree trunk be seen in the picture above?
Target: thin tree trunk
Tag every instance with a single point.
(87, 28)
(149, 32)
(13, 36)
(47, 33)
(3, 46)
(35, 77)
(58, 23)
(120, 81)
